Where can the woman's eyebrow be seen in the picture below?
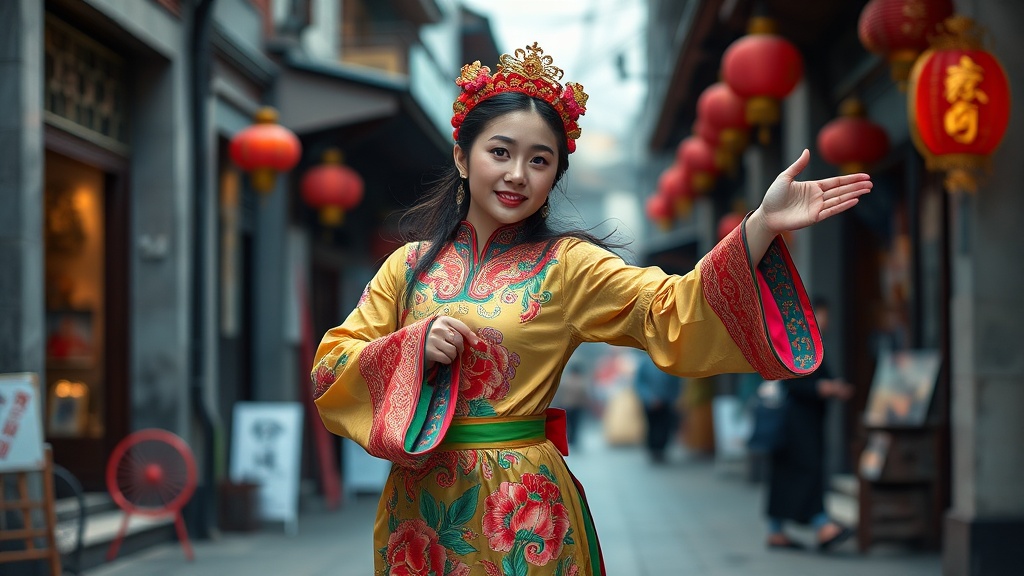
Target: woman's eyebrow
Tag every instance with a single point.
(509, 140)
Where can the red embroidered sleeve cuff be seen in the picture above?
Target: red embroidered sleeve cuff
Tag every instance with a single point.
(765, 308)
(412, 408)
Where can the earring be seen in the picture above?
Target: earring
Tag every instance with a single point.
(460, 194)
(545, 210)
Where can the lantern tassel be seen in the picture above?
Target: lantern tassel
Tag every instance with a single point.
(960, 180)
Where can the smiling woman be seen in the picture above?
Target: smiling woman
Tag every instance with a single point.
(450, 360)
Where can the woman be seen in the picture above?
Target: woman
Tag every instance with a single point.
(448, 363)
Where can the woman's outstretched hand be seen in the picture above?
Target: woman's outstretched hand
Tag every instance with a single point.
(447, 339)
(792, 205)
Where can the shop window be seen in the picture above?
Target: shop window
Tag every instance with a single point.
(75, 315)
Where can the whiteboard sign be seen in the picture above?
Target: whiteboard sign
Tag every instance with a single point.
(21, 435)
(266, 450)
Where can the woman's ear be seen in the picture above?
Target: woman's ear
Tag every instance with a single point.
(461, 162)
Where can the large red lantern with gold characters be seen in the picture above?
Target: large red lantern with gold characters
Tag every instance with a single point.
(898, 30)
(763, 68)
(264, 149)
(332, 188)
(958, 104)
(851, 141)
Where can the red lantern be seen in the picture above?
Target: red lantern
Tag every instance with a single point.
(851, 141)
(698, 158)
(763, 68)
(899, 30)
(958, 104)
(659, 210)
(726, 112)
(676, 184)
(728, 223)
(332, 188)
(264, 149)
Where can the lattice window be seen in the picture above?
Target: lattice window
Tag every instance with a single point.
(84, 84)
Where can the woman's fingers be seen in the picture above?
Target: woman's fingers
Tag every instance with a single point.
(797, 167)
(465, 333)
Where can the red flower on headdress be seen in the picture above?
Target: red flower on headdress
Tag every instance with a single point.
(473, 77)
(575, 100)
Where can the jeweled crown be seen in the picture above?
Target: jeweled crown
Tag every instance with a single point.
(530, 72)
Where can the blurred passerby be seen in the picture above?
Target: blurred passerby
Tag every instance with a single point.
(796, 482)
(572, 396)
(658, 391)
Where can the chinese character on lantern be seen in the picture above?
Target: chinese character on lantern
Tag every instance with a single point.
(959, 104)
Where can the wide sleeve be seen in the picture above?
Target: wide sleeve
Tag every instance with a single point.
(715, 319)
(370, 384)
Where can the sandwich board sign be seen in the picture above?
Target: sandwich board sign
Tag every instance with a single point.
(266, 450)
(21, 432)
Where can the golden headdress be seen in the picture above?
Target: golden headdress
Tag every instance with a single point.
(530, 72)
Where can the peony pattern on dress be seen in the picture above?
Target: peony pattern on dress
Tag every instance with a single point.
(486, 375)
(431, 544)
(325, 374)
(528, 520)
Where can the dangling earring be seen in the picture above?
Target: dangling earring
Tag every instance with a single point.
(545, 210)
(460, 195)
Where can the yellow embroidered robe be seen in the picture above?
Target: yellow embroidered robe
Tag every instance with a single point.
(513, 509)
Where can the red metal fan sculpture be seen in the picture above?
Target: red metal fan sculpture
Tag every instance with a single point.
(151, 473)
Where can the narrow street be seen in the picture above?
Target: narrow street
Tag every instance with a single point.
(684, 517)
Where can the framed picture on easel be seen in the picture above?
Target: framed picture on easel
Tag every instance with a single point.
(902, 388)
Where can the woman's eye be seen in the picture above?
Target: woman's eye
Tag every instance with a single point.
(500, 152)
(539, 160)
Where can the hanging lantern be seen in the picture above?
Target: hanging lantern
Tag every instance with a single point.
(729, 222)
(332, 188)
(958, 104)
(726, 112)
(659, 210)
(264, 149)
(898, 30)
(698, 158)
(851, 141)
(676, 184)
(763, 68)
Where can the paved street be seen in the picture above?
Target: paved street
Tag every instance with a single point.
(685, 517)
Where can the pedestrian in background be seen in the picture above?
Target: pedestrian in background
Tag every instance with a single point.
(658, 391)
(572, 397)
(796, 475)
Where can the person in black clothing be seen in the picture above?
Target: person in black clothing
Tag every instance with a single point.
(796, 484)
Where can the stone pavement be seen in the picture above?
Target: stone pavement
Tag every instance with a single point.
(685, 517)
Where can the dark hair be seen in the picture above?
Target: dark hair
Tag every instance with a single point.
(436, 217)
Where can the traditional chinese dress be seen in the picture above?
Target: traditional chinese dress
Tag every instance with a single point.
(479, 486)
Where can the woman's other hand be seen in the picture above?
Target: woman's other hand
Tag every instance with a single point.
(791, 205)
(447, 339)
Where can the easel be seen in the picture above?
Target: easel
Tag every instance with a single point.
(26, 505)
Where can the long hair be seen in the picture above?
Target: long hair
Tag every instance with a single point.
(436, 217)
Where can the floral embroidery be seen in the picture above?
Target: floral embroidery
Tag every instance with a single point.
(323, 375)
(414, 549)
(487, 373)
(512, 271)
(364, 296)
(527, 519)
(430, 545)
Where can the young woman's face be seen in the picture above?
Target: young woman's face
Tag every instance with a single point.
(511, 169)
